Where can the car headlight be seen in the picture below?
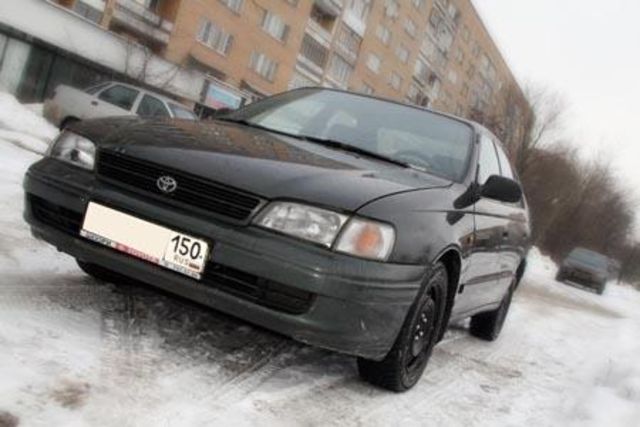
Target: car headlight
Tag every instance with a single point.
(75, 149)
(360, 237)
(305, 222)
(367, 239)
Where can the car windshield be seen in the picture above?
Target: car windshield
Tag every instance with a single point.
(591, 258)
(425, 140)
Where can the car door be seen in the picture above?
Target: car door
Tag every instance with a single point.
(117, 100)
(517, 231)
(482, 285)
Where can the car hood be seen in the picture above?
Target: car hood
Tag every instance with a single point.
(261, 162)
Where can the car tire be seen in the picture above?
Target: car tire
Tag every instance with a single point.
(100, 273)
(600, 289)
(559, 276)
(487, 326)
(406, 361)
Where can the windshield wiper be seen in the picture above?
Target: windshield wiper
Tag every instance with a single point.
(354, 149)
(327, 143)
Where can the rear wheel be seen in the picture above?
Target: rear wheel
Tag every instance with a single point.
(487, 326)
(406, 361)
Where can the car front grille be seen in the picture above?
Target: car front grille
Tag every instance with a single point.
(206, 196)
(55, 216)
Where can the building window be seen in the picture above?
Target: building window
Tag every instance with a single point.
(339, 69)
(410, 27)
(366, 89)
(413, 93)
(391, 9)
(402, 53)
(214, 37)
(313, 51)
(360, 8)
(421, 71)
(87, 11)
(264, 66)
(384, 34)
(395, 81)
(349, 41)
(298, 80)
(373, 63)
(323, 18)
(273, 25)
(234, 5)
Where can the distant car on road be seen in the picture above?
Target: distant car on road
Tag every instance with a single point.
(585, 267)
(69, 104)
(353, 223)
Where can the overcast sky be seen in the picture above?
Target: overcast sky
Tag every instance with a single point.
(588, 50)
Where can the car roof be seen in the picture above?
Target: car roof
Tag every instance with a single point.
(150, 92)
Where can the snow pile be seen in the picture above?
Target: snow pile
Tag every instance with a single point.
(23, 126)
(609, 392)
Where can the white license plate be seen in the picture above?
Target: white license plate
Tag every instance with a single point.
(145, 240)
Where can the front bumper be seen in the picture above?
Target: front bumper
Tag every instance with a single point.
(357, 306)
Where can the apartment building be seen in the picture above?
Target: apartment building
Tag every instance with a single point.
(434, 53)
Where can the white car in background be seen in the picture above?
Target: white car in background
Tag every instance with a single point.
(69, 104)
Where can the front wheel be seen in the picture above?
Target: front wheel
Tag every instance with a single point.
(406, 361)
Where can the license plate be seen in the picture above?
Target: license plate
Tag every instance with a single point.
(142, 239)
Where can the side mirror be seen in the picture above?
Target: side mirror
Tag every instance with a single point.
(502, 189)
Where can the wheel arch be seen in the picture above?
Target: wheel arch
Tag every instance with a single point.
(452, 261)
(67, 121)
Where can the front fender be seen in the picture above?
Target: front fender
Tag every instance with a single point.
(426, 223)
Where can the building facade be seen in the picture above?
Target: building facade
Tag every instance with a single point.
(434, 53)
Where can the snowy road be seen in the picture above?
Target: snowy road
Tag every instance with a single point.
(74, 351)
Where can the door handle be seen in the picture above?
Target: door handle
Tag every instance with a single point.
(94, 103)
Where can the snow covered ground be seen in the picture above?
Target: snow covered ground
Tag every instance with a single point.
(77, 352)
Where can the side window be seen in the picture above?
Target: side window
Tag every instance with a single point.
(119, 96)
(505, 165)
(152, 107)
(487, 160)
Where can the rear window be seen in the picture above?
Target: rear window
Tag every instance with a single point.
(591, 258)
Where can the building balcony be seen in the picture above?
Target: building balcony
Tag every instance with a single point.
(320, 34)
(144, 22)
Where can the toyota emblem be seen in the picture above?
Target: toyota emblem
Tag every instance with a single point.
(167, 184)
